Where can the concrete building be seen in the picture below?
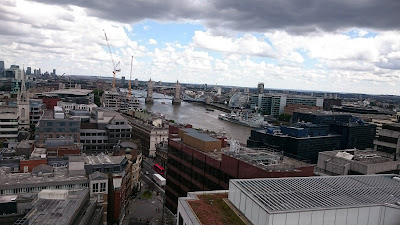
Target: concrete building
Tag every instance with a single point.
(78, 96)
(53, 124)
(260, 88)
(98, 183)
(105, 130)
(149, 99)
(362, 200)
(8, 123)
(68, 106)
(355, 162)
(36, 109)
(63, 207)
(149, 130)
(15, 183)
(195, 162)
(389, 139)
(274, 104)
(119, 101)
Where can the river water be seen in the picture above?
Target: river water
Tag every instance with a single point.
(194, 114)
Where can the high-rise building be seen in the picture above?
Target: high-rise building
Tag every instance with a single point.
(1, 67)
(136, 82)
(123, 82)
(260, 88)
(14, 67)
(28, 70)
(54, 72)
(39, 71)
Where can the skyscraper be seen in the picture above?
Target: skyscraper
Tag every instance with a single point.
(28, 70)
(1, 67)
(54, 72)
(260, 88)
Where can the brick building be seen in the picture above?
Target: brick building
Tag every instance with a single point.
(196, 162)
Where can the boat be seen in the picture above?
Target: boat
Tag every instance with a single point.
(255, 121)
(209, 109)
(162, 102)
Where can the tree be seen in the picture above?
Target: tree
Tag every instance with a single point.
(284, 117)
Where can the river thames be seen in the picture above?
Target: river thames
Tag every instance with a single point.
(196, 115)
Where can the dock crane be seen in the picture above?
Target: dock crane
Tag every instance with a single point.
(115, 70)
(130, 78)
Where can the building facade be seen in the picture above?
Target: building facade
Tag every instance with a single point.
(195, 163)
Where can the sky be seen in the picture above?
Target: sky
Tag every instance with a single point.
(329, 46)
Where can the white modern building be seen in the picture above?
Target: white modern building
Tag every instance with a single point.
(338, 200)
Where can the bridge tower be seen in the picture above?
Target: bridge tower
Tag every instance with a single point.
(177, 98)
(149, 99)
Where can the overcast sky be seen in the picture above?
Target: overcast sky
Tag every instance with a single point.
(329, 45)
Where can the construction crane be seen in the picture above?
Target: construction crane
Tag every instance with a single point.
(130, 78)
(115, 70)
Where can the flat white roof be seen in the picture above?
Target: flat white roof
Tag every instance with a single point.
(287, 194)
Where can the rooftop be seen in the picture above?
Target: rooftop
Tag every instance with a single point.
(103, 159)
(307, 193)
(57, 211)
(23, 180)
(81, 92)
(361, 156)
(214, 208)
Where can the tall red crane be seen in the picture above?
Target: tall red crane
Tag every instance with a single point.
(115, 70)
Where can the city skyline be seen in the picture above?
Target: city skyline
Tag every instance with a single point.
(337, 46)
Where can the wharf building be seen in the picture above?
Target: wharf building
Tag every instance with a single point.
(362, 200)
(274, 104)
(150, 130)
(356, 162)
(197, 162)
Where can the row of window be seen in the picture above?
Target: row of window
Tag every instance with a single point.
(99, 187)
(94, 141)
(38, 189)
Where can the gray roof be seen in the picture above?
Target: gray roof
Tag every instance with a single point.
(287, 194)
(98, 176)
(103, 159)
(194, 133)
(51, 211)
(23, 180)
(42, 168)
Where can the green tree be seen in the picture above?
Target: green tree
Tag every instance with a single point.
(284, 117)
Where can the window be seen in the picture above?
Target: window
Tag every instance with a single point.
(95, 187)
(102, 187)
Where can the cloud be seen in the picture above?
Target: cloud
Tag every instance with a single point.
(248, 44)
(152, 41)
(295, 16)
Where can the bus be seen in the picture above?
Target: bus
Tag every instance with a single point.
(159, 169)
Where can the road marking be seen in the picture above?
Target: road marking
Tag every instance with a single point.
(152, 201)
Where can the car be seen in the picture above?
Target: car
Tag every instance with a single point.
(147, 172)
